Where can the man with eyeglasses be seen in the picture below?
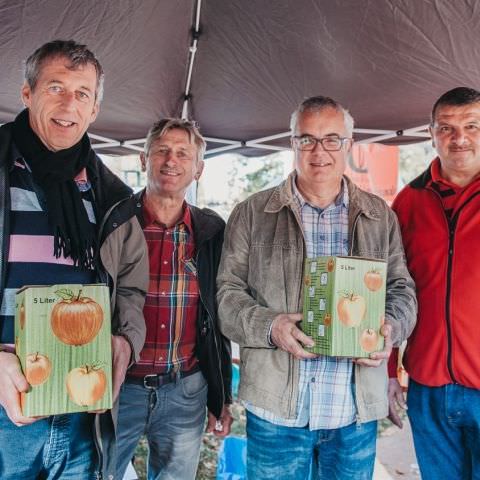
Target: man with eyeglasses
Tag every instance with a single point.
(309, 413)
(185, 365)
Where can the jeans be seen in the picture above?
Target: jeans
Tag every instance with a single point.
(292, 453)
(57, 447)
(446, 430)
(172, 417)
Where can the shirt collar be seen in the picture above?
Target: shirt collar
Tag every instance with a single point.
(436, 172)
(149, 219)
(342, 199)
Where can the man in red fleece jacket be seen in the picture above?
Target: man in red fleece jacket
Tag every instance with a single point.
(439, 214)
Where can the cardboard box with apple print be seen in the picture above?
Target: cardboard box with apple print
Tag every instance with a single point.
(62, 337)
(344, 305)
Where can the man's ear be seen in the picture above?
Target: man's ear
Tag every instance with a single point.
(200, 166)
(350, 145)
(95, 111)
(26, 94)
(143, 161)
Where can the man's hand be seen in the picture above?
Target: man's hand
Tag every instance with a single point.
(395, 400)
(12, 384)
(287, 336)
(121, 355)
(221, 426)
(376, 358)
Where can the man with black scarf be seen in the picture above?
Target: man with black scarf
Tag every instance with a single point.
(54, 195)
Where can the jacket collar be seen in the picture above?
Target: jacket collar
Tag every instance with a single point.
(205, 222)
(423, 179)
(359, 201)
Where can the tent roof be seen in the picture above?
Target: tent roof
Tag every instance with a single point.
(253, 62)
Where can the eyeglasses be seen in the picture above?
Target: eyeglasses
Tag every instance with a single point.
(307, 143)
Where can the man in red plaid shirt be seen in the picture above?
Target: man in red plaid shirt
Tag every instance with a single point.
(185, 365)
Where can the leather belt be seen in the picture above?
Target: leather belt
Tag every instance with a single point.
(157, 380)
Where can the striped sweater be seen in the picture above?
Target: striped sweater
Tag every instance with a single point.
(30, 256)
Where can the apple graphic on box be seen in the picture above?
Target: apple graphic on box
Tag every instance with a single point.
(351, 309)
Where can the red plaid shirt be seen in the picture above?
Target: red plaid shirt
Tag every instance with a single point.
(171, 305)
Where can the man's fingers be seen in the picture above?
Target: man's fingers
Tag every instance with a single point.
(386, 330)
(400, 399)
(297, 351)
(20, 382)
(368, 362)
(395, 419)
(302, 338)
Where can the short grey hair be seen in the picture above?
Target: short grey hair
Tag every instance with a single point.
(160, 128)
(78, 55)
(318, 103)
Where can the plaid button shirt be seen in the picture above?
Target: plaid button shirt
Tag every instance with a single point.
(171, 304)
(325, 398)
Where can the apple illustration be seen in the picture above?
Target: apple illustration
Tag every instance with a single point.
(22, 316)
(351, 309)
(369, 340)
(76, 320)
(330, 265)
(86, 385)
(373, 280)
(37, 368)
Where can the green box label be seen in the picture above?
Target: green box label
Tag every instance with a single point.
(344, 305)
(63, 341)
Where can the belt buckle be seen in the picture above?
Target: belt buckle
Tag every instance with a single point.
(145, 381)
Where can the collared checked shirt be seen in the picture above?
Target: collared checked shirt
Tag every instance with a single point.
(171, 305)
(325, 398)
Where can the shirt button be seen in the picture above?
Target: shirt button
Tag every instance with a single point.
(165, 262)
(163, 293)
(162, 325)
(312, 379)
(115, 225)
(160, 358)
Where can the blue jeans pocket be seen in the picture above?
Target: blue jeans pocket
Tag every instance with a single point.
(193, 385)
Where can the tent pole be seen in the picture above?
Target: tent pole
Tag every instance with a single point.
(191, 60)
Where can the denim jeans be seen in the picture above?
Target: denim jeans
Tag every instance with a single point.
(57, 447)
(172, 417)
(446, 430)
(291, 453)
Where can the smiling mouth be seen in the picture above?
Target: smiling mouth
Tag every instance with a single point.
(63, 123)
(321, 164)
(169, 173)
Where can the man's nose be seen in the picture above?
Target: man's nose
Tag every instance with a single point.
(458, 136)
(318, 147)
(171, 158)
(68, 100)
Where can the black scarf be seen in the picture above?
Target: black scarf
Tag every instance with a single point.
(54, 173)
